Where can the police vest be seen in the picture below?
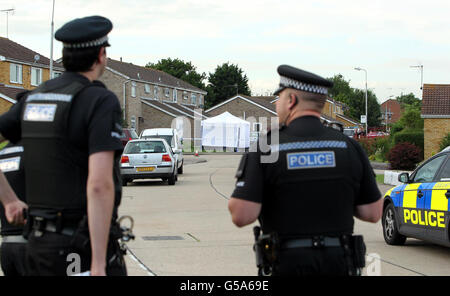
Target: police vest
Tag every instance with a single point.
(56, 172)
(11, 164)
(312, 186)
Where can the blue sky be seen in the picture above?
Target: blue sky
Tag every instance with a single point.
(325, 37)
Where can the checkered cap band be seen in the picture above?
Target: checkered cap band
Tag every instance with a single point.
(87, 44)
(290, 83)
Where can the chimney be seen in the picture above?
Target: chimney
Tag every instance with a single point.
(121, 59)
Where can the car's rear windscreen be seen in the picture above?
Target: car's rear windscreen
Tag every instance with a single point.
(145, 147)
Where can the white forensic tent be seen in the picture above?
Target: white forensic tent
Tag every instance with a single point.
(226, 130)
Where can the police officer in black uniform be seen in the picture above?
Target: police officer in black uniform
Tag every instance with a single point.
(13, 243)
(307, 198)
(70, 129)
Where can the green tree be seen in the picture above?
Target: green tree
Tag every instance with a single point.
(355, 100)
(226, 81)
(341, 89)
(411, 118)
(182, 70)
(357, 105)
(409, 100)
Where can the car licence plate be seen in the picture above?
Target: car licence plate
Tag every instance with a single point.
(145, 169)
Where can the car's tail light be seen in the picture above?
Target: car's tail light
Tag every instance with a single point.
(125, 159)
(129, 139)
(166, 157)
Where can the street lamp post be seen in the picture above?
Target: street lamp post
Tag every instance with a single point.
(51, 41)
(365, 71)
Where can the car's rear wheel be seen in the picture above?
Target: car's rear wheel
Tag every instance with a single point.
(390, 230)
(180, 170)
(172, 179)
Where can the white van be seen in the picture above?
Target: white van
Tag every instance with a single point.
(172, 138)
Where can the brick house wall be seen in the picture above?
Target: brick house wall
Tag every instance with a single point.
(4, 105)
(435, 129)
(393, 107)
(26, 75)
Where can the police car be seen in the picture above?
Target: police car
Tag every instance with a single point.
(420, 207)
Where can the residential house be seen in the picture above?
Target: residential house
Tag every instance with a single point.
(154, 99)
(391, 111)
(21, 69)
(436, 115)
(333, 111)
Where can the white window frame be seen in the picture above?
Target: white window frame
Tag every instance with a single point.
(175, 96)
(147, 88)
(193, 99)
(185, 95)
(133, 122)
(155, 92)
(37, 76)
(56, 74)
(133, 89)
(167, 92)
(256, 124)
(18, 77)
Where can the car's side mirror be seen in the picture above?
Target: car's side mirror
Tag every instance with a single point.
(403, 178)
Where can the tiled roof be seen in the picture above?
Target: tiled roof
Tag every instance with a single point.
(436, 100)
(10, 91)
(149, 75)
(262, 101)
(14, 51)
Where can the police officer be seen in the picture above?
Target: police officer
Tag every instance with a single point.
(70, 128)
(306, 199)
(13, 243)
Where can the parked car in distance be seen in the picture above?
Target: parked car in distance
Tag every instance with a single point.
(171, 136)
(148, 159)
(128, 134)
(350, 132)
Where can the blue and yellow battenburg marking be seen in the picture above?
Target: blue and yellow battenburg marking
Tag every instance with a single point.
(428, 210)
(311, 160)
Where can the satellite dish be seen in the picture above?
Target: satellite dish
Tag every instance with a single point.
(36, 58)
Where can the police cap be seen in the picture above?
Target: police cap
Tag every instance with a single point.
(85, 32)
(291, 77)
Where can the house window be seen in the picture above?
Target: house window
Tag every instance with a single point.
(185, 95)
(147, 88)
(133, 89)
(193, 99)
(15, 73)
(167, 92)
(56, 74)
(256, 127)
(133, 122)
(155, 92)
(175, 99)
(36, 76)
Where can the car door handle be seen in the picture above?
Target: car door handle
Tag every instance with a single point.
(420, 194)
(447, 195)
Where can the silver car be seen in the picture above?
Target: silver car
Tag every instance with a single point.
(148, 159)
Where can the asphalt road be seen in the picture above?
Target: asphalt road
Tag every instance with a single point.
(186, 229)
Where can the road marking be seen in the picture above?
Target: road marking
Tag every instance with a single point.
(212, 185)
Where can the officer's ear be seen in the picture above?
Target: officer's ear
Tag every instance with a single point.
(101, 55)
(293, 100)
